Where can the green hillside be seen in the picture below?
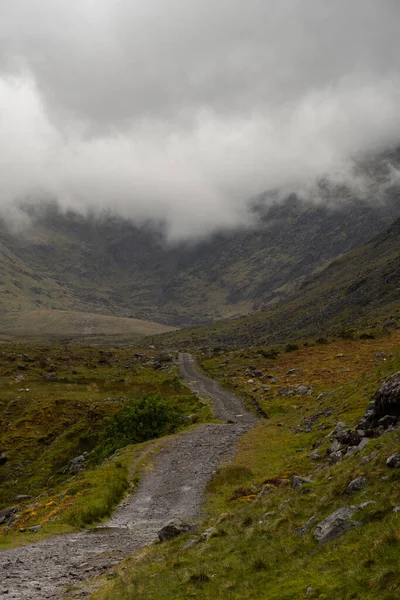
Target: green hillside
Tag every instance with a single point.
(359, 290)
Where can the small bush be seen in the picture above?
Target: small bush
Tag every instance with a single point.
(367, 336)
(291, 347)
(144, 418)
(270, 353)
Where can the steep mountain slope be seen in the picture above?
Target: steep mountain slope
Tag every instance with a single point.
(114, 267)
(107, 265)
(360, 289)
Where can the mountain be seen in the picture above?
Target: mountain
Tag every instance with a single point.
(105, 265)
(358, 290)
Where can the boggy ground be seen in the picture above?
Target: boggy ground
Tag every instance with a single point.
(172, 487)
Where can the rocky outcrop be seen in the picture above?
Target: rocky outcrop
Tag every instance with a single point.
(384, 410)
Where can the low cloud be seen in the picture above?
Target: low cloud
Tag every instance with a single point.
(181, 111)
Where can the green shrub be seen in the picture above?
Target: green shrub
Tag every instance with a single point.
(291, 347)
(144, 418)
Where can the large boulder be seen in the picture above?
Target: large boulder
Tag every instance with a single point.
(336, 525)
(386, 400)
(172, 529)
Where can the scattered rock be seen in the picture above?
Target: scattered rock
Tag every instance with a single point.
(208, 533)
(336, 524)
(335, 457)
(351, 438)
(22, 497)
(304, 390)
(172, 529)
(314, 455)
(77, 464)
(306, 528)
(49, 376)
(157, 365)
(394, 461)
(335, 446)
(309, 591)
(396, 509)
(35, 528)
(256, 372)
(285, 392)
(7, 514)
(192, 541)
(3, 458)
(387, 421)
(356, 485)
(298, 482)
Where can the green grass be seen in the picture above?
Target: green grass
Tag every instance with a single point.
(254, 551)
(83, 327)
(63, 406)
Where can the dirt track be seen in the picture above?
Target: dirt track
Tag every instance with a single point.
(173, 488)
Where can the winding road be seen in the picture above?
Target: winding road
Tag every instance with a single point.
(173, 488)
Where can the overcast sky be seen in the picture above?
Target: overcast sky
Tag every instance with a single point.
(183, 109)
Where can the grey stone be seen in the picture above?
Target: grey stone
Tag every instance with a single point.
(336, 524)
(285, 392)
(394, 461)
(335, 457)
(314, 455)
(77, 464)
(309, 591)
(335, 446)
(35, 528)
(351, 438)
(3, 458)
(7, 514)
(362, 444)
(22, 497)
(304, 390)
(306, 528)
(172, 529)
(387, 421)
(298, 482)
(192, 541)
(356, 485)
(208, 533)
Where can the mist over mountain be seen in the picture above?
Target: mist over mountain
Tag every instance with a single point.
(62, 260)
(180, 112)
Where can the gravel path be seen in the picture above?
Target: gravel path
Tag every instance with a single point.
(173, 488)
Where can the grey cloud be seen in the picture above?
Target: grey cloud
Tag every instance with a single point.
(183, 110)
